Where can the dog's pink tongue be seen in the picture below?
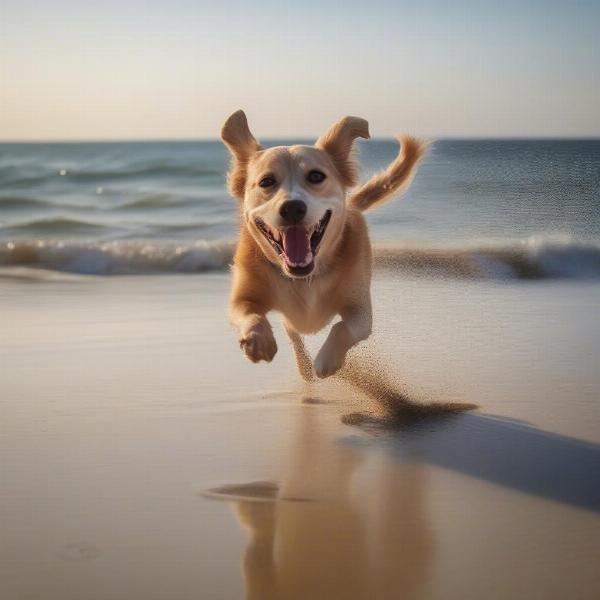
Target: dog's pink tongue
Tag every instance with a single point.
(296, 244)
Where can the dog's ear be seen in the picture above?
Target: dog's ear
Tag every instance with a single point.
(337, 143)
(242, 145)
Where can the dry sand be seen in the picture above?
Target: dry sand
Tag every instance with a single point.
(143, 458)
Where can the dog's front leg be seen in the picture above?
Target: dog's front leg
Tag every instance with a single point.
(256, 335)
(354, 327)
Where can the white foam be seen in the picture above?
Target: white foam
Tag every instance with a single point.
(118, 258)
(537, 257)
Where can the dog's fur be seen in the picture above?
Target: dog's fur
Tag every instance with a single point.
(331, 279)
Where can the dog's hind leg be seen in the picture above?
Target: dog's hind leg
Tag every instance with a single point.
(303, 359)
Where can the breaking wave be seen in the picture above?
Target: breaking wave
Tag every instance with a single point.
(118, 257)
(528, 259)
(536, 257)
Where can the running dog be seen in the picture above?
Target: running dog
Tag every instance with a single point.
(303, 247)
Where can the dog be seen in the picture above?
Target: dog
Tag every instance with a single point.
(303, 247)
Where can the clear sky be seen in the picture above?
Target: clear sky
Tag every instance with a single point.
(167, 69)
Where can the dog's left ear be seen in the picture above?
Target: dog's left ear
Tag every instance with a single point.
(242, 145)
(337, 143)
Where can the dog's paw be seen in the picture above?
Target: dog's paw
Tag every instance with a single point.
(259, 343)
(328, 361)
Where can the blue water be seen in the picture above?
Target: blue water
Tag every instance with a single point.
(162, 206)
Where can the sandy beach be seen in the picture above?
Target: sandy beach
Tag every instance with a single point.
(143, 457)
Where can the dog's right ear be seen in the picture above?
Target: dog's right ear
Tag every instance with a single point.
(242, 145)
(337, 143)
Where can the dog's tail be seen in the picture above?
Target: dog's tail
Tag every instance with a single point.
(394, 179)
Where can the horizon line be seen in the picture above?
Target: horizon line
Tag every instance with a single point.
(508, 138)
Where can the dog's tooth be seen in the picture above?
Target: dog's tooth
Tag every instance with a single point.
(308, 260)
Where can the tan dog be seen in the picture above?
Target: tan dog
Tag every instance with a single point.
(304, 248)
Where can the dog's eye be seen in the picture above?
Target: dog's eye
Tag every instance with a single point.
(315, 176)
(267, 182)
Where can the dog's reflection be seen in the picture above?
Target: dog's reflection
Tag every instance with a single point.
(330, 530)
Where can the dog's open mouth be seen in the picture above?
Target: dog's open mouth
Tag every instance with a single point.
(296, 245)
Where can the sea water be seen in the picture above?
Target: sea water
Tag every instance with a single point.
(500, 209)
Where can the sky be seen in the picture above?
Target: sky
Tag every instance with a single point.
(158, 69)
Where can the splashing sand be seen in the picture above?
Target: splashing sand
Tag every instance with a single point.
(370, 376)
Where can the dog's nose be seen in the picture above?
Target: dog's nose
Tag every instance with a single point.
(293, 211)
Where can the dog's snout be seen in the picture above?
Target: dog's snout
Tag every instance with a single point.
(293, 211)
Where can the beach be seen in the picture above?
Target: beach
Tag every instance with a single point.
(144, 457)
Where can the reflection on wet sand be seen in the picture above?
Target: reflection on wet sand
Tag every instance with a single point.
(352, 516)
(320, 534)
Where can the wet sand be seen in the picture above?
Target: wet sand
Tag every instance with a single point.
(143, 457)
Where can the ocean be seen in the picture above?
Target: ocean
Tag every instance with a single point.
(497, 209)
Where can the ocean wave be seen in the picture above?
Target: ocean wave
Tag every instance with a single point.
(152, 201)
(118, 257)
(529, 259)
(536, 257)
(142, 203)
(137, 171)
(57, 226)
(22, 203)
(19, 177)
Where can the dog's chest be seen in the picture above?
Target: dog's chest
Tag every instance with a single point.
(308, 307)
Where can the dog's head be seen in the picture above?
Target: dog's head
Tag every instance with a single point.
(294, 197)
